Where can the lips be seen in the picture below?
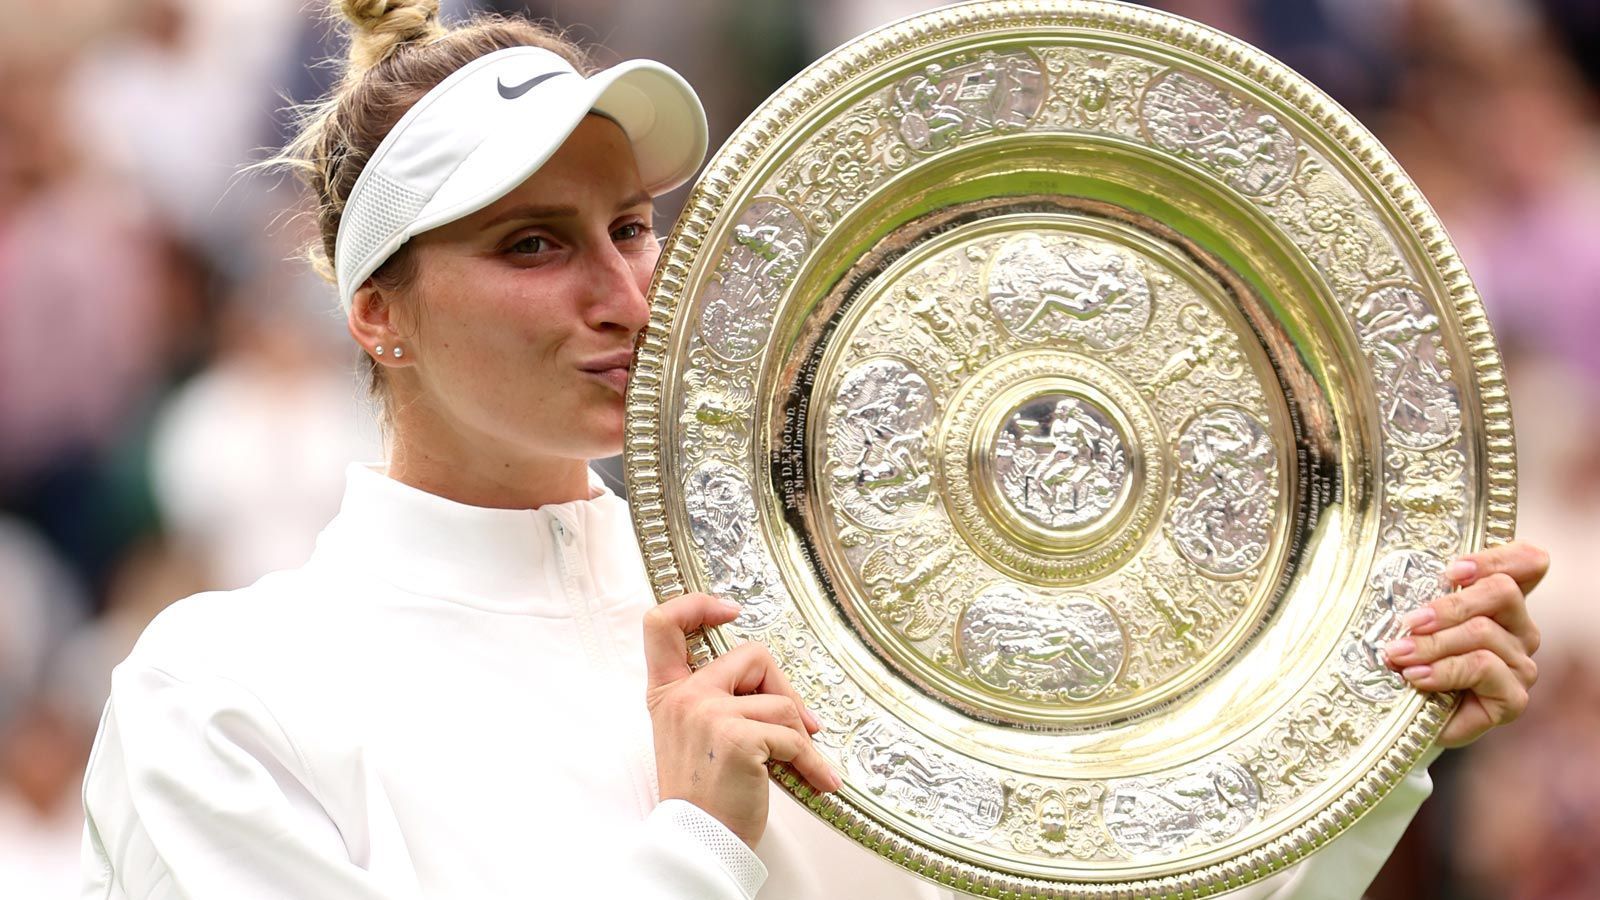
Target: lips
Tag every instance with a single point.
(611, 368)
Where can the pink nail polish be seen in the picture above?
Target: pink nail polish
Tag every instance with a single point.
(1401, 647)
(1461, 571)
(1417, 673)
(1419, 618)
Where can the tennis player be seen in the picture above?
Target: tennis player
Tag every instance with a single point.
(467, 691)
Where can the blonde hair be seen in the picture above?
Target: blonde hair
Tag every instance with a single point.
(399, 50)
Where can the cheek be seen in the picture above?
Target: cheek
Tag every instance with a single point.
(644, 267)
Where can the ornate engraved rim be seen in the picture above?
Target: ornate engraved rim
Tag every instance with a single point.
(832, 76)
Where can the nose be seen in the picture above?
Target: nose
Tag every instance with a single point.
(617, 286)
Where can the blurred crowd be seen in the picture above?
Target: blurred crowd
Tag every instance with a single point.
(178, 397)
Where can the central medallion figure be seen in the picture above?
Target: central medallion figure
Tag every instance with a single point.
(1060, 462)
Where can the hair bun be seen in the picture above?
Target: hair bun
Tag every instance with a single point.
(380, 26)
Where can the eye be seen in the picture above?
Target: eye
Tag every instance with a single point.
(629, 232)
(528, 245)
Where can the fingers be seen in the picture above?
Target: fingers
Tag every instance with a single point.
(774, 710)
(750, 669)
(1525, 563)
(1496, 596)
(787, 745)
(666, 652)
(1417, 652)
(1497, 695)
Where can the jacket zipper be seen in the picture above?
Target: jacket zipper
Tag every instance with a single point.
(581, 594)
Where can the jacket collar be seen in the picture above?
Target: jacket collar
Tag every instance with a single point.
(551, 561)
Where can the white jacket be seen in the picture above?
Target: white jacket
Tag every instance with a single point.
(448, 702)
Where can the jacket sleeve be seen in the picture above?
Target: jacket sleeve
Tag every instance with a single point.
(1344, 868)
(194, 790)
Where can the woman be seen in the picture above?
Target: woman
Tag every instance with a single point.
(467, 691)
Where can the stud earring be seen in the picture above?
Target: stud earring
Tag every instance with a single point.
(378, 349)
(399, 352)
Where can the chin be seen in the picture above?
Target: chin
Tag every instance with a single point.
(604, 441)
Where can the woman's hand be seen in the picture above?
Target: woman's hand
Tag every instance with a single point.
(1478, 639)
(715, 729)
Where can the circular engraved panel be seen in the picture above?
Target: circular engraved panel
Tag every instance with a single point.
(1015, 642)
(1060, 462)
(1222, 519)
(1076, 400)
(881, 476)
(1051, 287)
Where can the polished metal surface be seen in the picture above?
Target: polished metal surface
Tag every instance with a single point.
(1075, 399)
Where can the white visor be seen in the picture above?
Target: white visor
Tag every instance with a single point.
(490, 125)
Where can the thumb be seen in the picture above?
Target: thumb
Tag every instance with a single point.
(666, 650)
(1525, 563)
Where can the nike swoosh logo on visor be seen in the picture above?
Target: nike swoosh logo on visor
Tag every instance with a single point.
(512, 93)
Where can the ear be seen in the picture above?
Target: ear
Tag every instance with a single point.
(372, 322)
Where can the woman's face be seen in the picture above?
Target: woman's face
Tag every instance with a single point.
(524, 313)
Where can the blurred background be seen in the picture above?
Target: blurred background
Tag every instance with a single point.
(178, 395)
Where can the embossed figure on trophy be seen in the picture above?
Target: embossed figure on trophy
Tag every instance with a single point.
(1063, 471)
(1401, 338)
(1208, 343)
(1093, 91)
(1041, 289)
(1250, 148)
(777, 256)
(966, 346)
(1181, 619)
(1066, 292)
(1063, 822)
(1095, 84)
(761, 257)
(948, 101)
(905, 580)
(1162, 817)
(922, 784)
(1055, 650)
(886, 462)
(722, 517)
(1400, 583)
(1306, 745)
(876, 441)
(1222, 515)
(1246, 154)
(1076, 453)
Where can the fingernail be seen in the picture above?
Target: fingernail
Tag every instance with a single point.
(1417, 673)
(732, 607)
(1419, 618)
(837, 781)
(811, 719)
(1461, 570)
(1400, 647)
